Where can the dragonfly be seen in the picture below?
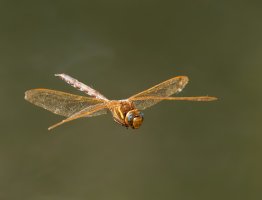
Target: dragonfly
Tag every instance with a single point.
(126, 112)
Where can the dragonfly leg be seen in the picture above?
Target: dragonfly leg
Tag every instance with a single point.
(120, 122)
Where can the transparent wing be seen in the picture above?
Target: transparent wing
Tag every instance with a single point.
(198, 98)
(164, 89)
(62, 103)
(83, 113)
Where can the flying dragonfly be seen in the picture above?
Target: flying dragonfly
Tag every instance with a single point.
(126, 112)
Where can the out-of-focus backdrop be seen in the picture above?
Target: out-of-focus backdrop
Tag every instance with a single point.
(184, 150)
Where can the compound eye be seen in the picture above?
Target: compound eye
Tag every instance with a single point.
(137, 122)
(134, 118)
(130, 117)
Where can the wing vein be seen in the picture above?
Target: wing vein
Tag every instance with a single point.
(61, 103)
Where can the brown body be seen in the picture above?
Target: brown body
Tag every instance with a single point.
(125, 112)
(119, 109)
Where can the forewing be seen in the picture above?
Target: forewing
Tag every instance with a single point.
(164, 89)
(62, 103)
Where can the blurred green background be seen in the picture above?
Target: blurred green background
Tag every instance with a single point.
(184, 150)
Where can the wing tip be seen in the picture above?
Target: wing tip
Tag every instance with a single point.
(27, 95)
(55, 125)
(60, 74)
(207, 98)
(182, 82)
(185, 79)
(212, 98)
(30, 93)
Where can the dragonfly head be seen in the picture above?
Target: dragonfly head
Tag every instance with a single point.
(134, 118)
